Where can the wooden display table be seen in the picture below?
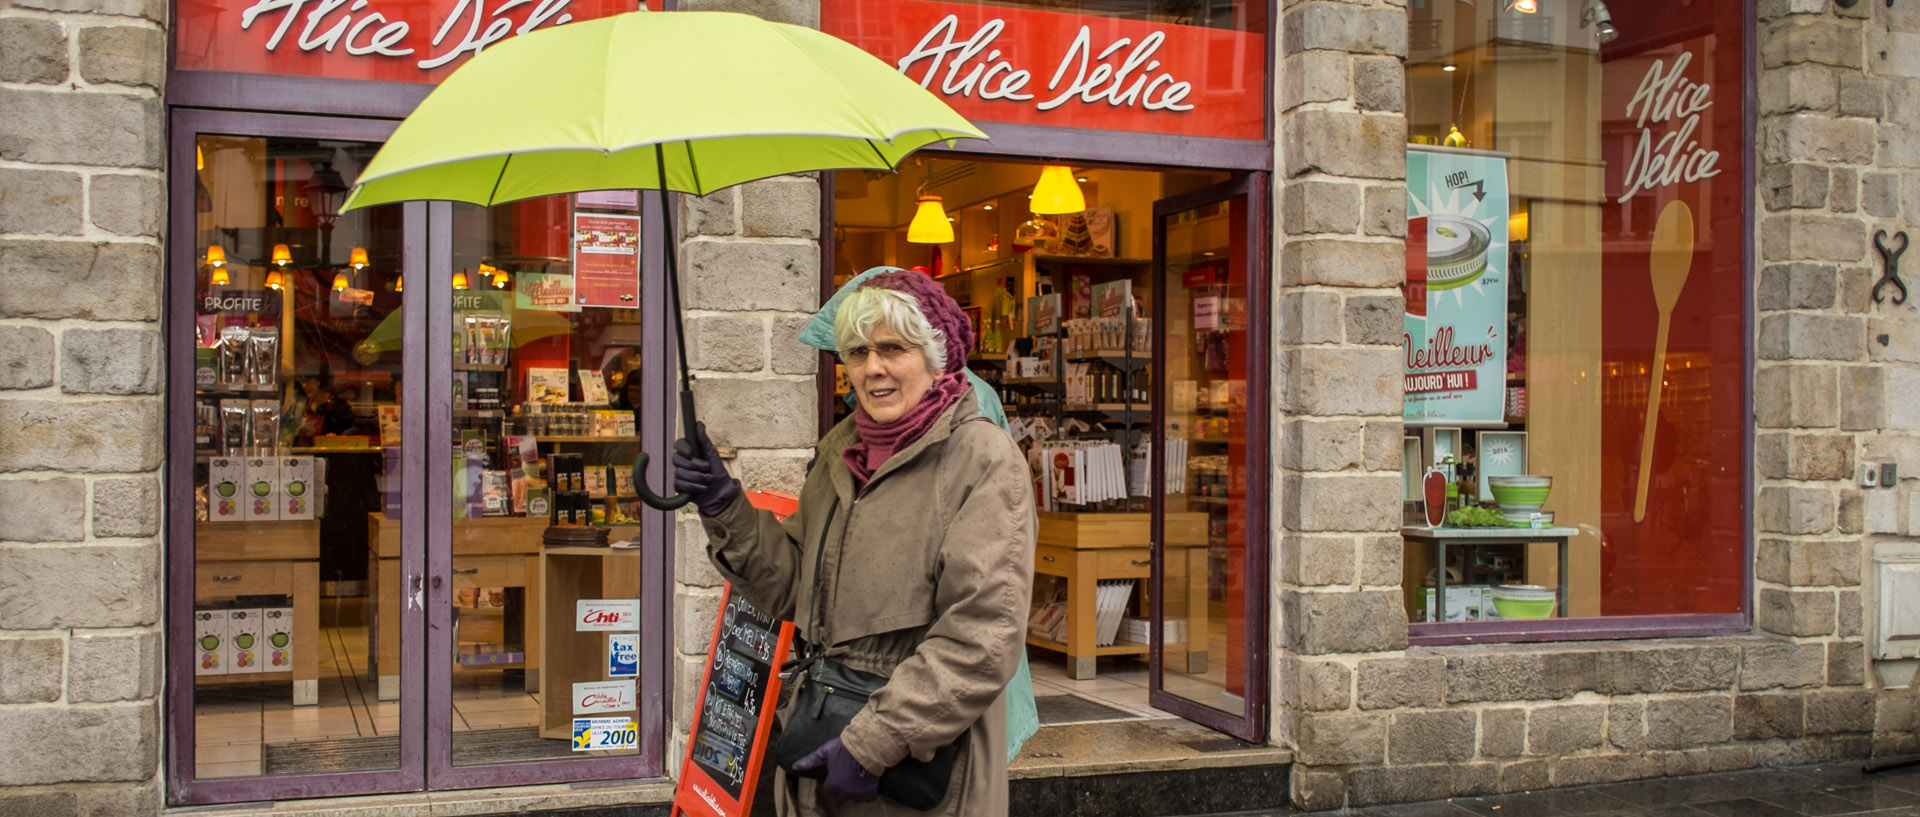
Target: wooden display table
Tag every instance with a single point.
(264, 558)
(1085, 548)
(570, 656)
(493, 551)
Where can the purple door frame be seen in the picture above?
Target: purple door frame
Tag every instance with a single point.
(426, 550)
(1251, 724)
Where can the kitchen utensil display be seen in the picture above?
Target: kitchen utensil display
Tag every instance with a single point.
(1671, 256)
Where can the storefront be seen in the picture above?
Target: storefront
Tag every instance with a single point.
(1092, 263)
(278, 480)
(404, 550)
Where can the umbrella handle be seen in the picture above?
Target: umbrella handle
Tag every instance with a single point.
(676, 501)
(653, 500)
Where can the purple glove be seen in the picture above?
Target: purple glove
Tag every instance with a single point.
(846, 778)
(704, 476)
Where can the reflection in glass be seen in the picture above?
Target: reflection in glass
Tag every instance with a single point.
(545, 412)
(289, 402)
(1205, 457)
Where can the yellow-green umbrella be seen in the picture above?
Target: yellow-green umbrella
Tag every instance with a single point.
(684, 101)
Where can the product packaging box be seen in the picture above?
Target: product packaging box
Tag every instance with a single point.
(263, 489)
(1464, 603)
(210, 642)
(596, 481)
(276, 625)
(297, 488)
(243, 640)
(226, 491)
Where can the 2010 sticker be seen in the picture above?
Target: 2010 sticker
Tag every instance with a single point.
(598, 734)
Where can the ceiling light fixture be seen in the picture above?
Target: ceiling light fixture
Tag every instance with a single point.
(1596, 14)
(1056, 192)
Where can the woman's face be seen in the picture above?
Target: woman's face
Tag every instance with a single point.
(890, 376)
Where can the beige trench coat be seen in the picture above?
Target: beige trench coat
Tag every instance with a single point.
(924, 578)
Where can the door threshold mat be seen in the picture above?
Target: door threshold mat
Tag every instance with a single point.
(1056, 709)
(478, 747)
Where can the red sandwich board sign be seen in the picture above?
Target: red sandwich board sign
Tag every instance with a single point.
(734, 713)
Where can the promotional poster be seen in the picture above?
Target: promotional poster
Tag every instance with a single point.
(1456, 320)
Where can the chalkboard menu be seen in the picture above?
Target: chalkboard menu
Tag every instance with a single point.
(735, 710)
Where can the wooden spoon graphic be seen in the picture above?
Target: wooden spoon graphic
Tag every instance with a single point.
(1670, 257)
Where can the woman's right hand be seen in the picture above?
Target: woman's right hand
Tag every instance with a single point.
(703, 475)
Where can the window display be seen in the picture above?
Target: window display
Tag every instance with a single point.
(1575, 327)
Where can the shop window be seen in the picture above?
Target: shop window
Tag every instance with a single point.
(1577, 267)
(405, 520)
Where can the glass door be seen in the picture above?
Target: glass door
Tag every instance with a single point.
(541, 536)
(403, 546)
(1208, 635)
(290, 367)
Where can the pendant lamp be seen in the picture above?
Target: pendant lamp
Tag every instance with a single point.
(1056, 192)
(358, 258)
(397, 279)
(499, 279)
(281, 255)
(460, 280)
(339, 281)
(273, 281)
(930, 224)
(219, 278)
(216, 256)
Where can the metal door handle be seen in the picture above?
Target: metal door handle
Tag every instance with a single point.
(232, 578)
(467, 572)
(1141, 562)
(1046, 558)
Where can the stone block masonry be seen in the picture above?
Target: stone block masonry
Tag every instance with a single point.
(82, 204)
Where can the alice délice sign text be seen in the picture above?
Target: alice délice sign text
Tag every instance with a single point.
(1121, 73)
(348, 26)
(1666, 96)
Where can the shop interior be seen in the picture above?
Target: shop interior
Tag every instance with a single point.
(1055, 265)
(299, 451)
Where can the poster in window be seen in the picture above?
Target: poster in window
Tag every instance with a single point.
(606, 260)
(1456, 289)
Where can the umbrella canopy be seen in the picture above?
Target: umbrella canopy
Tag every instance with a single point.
(716, 98)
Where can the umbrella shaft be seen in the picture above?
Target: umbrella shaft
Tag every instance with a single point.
(671, 248)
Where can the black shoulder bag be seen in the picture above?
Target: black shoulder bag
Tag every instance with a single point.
(828, 697)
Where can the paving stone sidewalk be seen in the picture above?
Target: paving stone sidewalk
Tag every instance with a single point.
(1822, 790)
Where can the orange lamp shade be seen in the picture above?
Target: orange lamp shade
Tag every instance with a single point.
(358, 258)
(273, 280)
(499, 279)
(281, 255)
(1057, 192)
(397, 279)
(219, 278)
(216, 255)
(339, 281)
(460, 280)
(930, 224)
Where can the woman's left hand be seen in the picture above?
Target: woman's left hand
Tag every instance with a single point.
(846, 778)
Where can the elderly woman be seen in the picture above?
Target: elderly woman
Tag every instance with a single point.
(909, 558)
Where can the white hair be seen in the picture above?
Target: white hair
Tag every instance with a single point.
(869, 308)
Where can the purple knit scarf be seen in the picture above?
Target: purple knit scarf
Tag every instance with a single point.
(880, 441)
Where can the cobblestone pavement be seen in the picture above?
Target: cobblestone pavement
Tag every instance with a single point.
(1823, 790)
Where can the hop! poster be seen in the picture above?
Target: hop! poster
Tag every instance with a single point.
(606, 260)
(1456, 321)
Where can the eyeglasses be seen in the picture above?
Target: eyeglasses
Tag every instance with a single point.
(890, 352)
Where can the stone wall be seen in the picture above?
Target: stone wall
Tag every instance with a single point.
(751, 260)
(1835, 382)
(81, 211)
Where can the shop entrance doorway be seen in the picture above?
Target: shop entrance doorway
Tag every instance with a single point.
(403, 546)
(1126, 338)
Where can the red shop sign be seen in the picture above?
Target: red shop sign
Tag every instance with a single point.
(1000, 64)
(418, 41)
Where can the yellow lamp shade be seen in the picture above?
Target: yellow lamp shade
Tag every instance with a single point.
(460, 280)
(339, 281)
(273, 280)
(397, 279)
(282, 255)
(499, 279)
(930, 224)
(1057, 192)
(219, 278)
(358, 258)
(216, 255)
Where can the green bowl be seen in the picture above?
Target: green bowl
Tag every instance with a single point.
(1519, 495)
(1515, 608)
